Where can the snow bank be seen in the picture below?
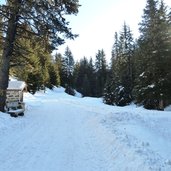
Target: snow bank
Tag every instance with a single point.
(168, 108)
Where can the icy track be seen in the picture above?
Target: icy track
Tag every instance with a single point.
(64, 133)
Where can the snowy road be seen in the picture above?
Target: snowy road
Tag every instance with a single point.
(64, 133)
(54, 136)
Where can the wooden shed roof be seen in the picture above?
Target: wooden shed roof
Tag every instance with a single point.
(16, 85)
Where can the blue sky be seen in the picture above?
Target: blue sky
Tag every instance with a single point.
(2, 1)
(98, 20)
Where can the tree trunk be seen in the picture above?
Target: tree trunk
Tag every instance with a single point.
(8, 49)
(161, 105)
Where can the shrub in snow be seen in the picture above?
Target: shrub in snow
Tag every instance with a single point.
(150, 104)
(118, 96)
(122, 97)
(150, 97)
(109, 97)
(69, 90)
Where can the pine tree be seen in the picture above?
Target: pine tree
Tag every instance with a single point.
(115, 48)
(58, 66)
(101, 72)
(126, 54)
(84, 77)
(109, 96)
(75, 74)
(92, 77)
(80, 72)
(86, 89)
(69, 62)
(152, 85)
(34, 60)
(25, 64)
(118, 89)
(67, 68)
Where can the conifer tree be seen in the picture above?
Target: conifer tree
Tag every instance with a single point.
(152, 84)
(69, 61)
(115, 48)
(92, 77)
(101, 72)
(54, 75)
(67, 71)
(58, 67)
(126, 54)
(33, 60)
(86, 89)
(108, 95)
(80, 72)
(84, 77)
(118, 89)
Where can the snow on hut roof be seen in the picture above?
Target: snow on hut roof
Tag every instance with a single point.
(16, 85)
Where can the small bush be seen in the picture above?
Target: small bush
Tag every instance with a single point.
(69, 90)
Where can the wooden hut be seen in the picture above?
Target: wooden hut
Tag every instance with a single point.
(14, 100)
(15, 91)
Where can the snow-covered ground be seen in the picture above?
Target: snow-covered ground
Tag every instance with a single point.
(65, 133)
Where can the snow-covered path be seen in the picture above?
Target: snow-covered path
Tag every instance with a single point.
(65, 133)
(54, 136)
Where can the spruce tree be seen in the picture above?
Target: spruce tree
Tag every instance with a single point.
(152, 85)
(80, 72)
(68, 69)
(101, 72)
(108, 95)
(84, 77)
(92, 77)
(86, 88)
(58, 66)
(68, 61)
(118, 89)
(126, 64)
(33, 60)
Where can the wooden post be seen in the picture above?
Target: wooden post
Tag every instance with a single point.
(161, 102)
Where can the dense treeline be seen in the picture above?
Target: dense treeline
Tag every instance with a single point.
(139, 70)
(85, 76)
